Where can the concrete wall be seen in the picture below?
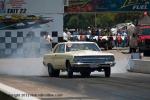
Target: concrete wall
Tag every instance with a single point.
(142, 66)
(18, 56)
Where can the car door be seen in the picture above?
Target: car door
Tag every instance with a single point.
(59, 57)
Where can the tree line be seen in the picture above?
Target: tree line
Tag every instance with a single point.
(102, 20)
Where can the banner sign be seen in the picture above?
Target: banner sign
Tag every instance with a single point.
(24, 14)
(107, 5)
(31, 6)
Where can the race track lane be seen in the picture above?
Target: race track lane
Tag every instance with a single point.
(122, 86)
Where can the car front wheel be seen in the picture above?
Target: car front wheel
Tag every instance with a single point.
(107, 71)
(69, 70)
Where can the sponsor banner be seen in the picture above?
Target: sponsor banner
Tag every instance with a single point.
(26, 14)
(31, 6)
(107, 5)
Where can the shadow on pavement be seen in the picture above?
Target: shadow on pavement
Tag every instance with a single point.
(77, 76)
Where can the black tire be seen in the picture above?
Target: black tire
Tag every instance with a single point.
(69, 70)
(85, 73)
(107, 71)
(52, 72)
(56, 73)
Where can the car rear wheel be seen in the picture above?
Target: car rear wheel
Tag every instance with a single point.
(107, 71)
(52, 72)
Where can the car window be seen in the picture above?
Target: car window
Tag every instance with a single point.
(60, 48)
(81, 46)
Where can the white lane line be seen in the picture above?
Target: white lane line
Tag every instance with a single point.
(17, 94)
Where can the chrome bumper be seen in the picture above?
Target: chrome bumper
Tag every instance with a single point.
(93, 65)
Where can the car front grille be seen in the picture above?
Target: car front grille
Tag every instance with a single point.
(95, 59)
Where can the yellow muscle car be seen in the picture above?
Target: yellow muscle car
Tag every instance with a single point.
(83, 57)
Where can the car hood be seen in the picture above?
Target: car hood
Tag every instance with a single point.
(88, 53)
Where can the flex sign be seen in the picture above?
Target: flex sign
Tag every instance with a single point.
(107, 5)
(31, 6)
(123, 5)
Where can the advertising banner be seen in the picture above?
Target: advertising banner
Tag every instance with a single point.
(107, 5)
(25, 22)
(31, 6)
(23, 14)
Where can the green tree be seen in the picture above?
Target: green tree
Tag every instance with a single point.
(72, 22)
(105, 19)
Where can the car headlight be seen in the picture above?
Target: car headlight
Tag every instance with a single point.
(111, 58)
(77, 59)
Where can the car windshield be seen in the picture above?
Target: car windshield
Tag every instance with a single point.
(145, 31)
(81, 46)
